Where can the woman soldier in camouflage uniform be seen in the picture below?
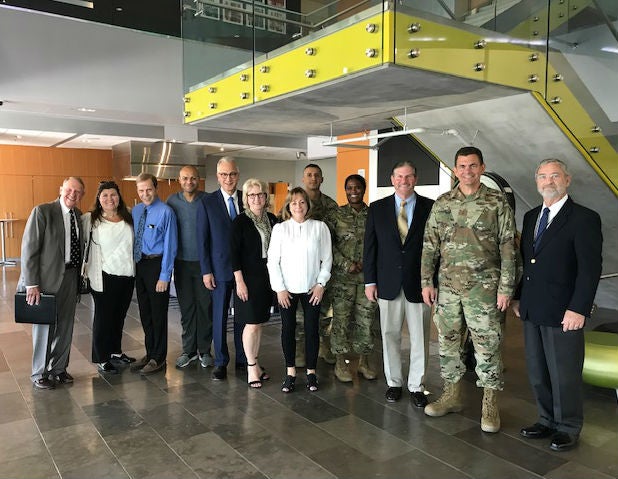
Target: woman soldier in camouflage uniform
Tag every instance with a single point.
(353, 313)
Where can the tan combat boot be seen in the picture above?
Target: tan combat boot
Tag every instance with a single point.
(365, 368)
(342, 371)
(490, 418)
(450, 401)
(325, 353)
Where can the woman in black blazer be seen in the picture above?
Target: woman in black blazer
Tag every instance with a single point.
(252, 297)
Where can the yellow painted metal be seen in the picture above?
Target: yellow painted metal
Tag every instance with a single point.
(232, 92)
(537, 23)
(335, 56)
(573, 119)
(441, 48)
(513, 65)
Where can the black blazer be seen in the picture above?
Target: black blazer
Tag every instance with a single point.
(388, 263)
(246, 245)
(565, 271)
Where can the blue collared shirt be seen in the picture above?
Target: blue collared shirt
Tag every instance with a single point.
(410, 204)
(160, 234)
(186, 214)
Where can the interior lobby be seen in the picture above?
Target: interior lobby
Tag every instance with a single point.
(106, 90)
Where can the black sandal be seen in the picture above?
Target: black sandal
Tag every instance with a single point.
(312, 382)
(264, 376)
(257, 384)
(289, 384)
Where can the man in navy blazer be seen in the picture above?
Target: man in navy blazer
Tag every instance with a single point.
(391, 265)
(214, 227)
(561, 247)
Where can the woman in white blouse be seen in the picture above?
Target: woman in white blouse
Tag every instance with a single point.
(299, 262)
(111, 270)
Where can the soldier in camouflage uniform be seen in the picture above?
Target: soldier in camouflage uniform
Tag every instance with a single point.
(353, 313)
(321, 206)
(470, 237)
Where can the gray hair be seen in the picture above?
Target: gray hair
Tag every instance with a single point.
(547, 161)
(228, 160)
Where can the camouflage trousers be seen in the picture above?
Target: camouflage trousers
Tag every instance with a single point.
(477, 310)
(326, 316)
(353, 315)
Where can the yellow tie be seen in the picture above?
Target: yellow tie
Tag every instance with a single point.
(402, 222)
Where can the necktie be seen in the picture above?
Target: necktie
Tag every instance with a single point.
(232, 207)
(541, 229)
(137, 245)
(74, 253)
(402, 222)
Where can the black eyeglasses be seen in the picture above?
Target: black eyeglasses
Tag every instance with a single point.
(256, 196)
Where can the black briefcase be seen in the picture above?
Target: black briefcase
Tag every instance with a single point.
(42, 313)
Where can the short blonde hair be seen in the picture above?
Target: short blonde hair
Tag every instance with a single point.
(250, 183)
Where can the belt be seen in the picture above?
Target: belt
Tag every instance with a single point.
(151, 256)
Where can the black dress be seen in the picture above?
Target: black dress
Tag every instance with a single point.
(246, 256)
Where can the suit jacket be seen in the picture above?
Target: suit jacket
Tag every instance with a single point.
(246, 246)
(565, 271)
(388, 263)
(214, 231)
(42, 248)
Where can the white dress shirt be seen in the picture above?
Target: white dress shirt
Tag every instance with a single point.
(299, 256)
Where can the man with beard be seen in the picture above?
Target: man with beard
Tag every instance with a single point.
(561, 250)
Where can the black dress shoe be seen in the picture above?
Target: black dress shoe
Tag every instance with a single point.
(536, 431)
(43, 383)
(219, 373)
(418, 398)
(107, 368)
(63, 378)
(393, 394)
(562, 441)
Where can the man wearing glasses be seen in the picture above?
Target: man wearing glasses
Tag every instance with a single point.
(214, 225)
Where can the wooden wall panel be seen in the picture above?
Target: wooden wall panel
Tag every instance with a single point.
(32, 175)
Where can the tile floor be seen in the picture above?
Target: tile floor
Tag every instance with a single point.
(182, 424)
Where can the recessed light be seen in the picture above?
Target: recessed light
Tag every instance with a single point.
(86, 110)
(119, 9)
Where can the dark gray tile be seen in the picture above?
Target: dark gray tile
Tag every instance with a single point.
(143, 453)
(210, 456)
(34, 466)
(113, 417)
(12, 407)
(173, 422)
(513, 450)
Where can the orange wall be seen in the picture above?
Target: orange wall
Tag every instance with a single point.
(30, 175)
(349, 161)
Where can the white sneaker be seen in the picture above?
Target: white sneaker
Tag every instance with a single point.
(185, 359)
(206, 360)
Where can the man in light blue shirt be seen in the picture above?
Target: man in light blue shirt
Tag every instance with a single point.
(155, 246)
(193, 297)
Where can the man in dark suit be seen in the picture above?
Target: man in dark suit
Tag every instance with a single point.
(51, 253)
(561, 247)
(214, 226)
(391, 262)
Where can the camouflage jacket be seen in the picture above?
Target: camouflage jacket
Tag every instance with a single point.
(348, 232)
(323, 207)
(472, 240)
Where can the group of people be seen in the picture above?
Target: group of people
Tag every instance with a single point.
(404, 255)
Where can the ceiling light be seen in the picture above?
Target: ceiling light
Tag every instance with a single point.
(83, 109)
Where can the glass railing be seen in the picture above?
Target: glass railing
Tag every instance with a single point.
(224, 36)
